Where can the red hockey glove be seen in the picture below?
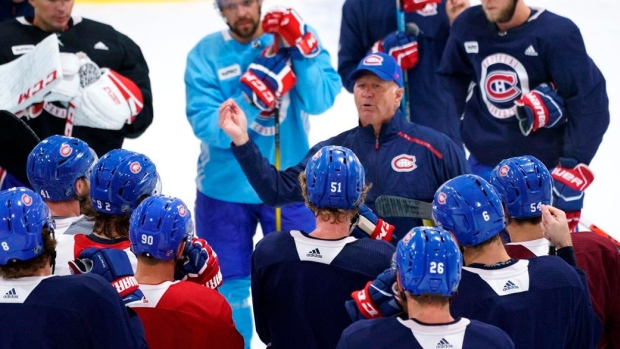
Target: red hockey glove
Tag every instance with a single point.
(268, 78)
(376, 299)
(293, 31)
(375, 227)
(541, 107)
(569, 182)
(200, 265)
(114, 266)
(417, 5)
(402, 46)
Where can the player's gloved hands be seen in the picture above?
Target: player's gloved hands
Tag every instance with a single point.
(377, 299)
(570, 179)
(541, 107)
(268, 78)
(114, 266)
(375, 227)
(295, 35)
(199, 264)
(77, 71)
(402, 46)
(108, 103)
(417, 5)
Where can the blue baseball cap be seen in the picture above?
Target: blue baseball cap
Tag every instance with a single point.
(382, 65)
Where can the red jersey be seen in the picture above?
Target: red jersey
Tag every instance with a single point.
(182, 314)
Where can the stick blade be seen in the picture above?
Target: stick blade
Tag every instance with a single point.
(16, 142)
(396, 206)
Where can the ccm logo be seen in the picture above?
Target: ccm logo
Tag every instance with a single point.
(266, 95)
(404, 163)
(112, 95)
(539, 108)
(37, 87)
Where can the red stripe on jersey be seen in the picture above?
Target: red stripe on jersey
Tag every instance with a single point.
(422, 143)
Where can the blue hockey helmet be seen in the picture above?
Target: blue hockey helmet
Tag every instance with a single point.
(334, 178)
(56, 163)
(428, 261)
(23, 215)
(158, 225)
(523, 183)
(470, 208)
(119, 179)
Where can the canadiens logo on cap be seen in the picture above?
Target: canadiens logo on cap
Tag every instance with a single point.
(373, 60)
(316, 155)
(65, 150)
(407, 237)
(135, 167)
(441, 198)
(503, 171)
(27, 199)
(182, 210)
(404, 163)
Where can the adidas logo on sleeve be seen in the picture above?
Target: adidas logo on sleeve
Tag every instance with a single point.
(314, 253)
(12, 294)
(510, 286)
(443, 343)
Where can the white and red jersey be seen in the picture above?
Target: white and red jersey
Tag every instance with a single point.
(181, 314)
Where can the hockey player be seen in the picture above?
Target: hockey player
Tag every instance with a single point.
(34, 299)
(541, 303)
(537, 92)
(400, 158)
(334, 187)
(297, 80)
(370, 25)
(58, 170)
(177, 313)
(524, 184)
(428, 269)
(105, 94)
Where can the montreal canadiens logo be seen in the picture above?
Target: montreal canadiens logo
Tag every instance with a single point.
(65, 150)
(404, 163)
(428, 10)
(502, 79)
(316, 155)
(373, 60)
(135, 167)
(503, 171)
(27, 199)
(441, 198)
(182, 210)
(501, 86)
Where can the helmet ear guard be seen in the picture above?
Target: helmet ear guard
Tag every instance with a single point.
(334, 178)
(470, 208)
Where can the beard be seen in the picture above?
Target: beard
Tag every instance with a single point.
(245, 33)
(503, 16)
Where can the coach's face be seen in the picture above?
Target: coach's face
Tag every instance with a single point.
(52, 15)
(376, 100)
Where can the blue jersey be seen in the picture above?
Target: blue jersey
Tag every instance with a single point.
(505, 65)
(406, 160)
(540, 302)
(394, 332)
(74, 311)
(214, 67)
(300, 284)
(366, 21)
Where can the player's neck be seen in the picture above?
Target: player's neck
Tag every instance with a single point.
(154, 274)
(429, 313)
(490, 254)
(69, 208)
(330, 231)
(524, 232)
(521, 15)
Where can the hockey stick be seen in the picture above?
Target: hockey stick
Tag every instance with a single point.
(276, 135)
(396, 206)
(595, 229)
(401, 26)
(17, 140)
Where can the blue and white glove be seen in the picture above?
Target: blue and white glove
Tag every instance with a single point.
(114, 266)
(570, 180)
(541, 107)
(375, 227)
(268, 78)
(200, 265)
(377, 299)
